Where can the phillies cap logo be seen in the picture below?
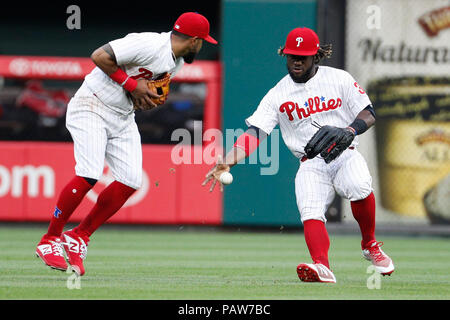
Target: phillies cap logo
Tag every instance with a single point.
(301, 42)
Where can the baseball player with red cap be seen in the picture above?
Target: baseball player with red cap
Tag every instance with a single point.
(100, 118)
(321, 111)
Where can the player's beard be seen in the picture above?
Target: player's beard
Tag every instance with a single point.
(190, 56)
(304, 77)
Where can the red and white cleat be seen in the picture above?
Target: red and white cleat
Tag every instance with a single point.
(380, 260)
(75, 247)
(50, 250)
(315, 272)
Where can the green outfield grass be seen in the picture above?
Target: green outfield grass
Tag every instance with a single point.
(127, 263)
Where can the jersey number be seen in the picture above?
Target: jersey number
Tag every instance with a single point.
(145, 74)
(360, 90)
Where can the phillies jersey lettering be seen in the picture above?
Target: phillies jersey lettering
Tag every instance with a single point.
(313, 105)
(144, 55)
(330, 97)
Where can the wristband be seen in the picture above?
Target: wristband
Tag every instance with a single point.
(359, 126)
(247, 142)
(123, 80)
(352, 130)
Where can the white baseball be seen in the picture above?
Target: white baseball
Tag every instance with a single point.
(226, 178)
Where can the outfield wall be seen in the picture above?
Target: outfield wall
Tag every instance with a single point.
(32, 174)
(252, 33)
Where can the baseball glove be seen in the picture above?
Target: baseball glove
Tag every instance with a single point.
(160, 86)
(330, 142)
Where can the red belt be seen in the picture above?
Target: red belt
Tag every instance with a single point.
(306, 158)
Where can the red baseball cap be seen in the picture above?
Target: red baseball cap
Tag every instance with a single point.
(301, 42)
(195, 25)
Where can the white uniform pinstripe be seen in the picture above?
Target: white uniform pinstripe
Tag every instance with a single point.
(100, 134)
(316, 183)
(331, 97)
(100, 117)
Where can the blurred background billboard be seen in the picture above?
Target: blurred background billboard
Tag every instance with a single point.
(399, 51)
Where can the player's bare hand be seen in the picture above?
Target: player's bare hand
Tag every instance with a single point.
(214, 174)
(142, 96)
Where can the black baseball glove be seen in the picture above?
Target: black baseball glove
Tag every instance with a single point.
(330, 142)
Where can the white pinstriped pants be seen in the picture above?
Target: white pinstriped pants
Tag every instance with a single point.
(316, 183)
(101, 134)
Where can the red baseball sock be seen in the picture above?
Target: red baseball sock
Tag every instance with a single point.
(364, 213)
(109, 201)
(317, 240)
(69, 199)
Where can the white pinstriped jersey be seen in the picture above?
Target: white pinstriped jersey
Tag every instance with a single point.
(330, 97)
(143, 55)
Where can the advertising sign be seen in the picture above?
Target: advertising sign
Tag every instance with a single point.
(399, 51)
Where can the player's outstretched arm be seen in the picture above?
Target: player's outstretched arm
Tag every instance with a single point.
(244, 146)
(233, 156)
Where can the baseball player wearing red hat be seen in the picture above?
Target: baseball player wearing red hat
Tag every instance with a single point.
(100, 118)
(320, 111)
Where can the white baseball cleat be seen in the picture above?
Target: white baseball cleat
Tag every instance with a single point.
(380, 260)
(315, 272)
